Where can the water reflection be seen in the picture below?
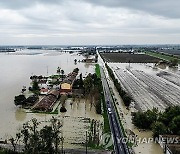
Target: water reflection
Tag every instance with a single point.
(86, 65)
(20, 114)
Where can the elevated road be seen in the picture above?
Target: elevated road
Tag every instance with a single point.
(119, 146)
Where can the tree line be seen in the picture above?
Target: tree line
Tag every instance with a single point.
(93, 89)
(167, 122)
(125, 97)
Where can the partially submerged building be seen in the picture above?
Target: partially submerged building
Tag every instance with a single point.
(47, 103)
(67, 83)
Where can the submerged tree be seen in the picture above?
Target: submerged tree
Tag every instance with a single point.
(174, 62)
(35, 140)
(58, 70)
(76, 70)
(75, 61)
(19, 100)
(35, 87)
(63, 101)
(158, 128)
(62, 74)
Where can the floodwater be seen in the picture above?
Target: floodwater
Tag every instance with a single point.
(150, 147)
(76, 122)
(148, 68)
(143, 148)
(16, 68)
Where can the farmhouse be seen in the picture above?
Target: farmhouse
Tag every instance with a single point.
(66, 85)
(47, 103)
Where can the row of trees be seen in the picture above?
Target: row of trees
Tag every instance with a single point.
(94, 133)
(93, 89)
(167, 122)
(126, 98)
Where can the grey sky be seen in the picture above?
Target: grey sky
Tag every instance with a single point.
(89, 22)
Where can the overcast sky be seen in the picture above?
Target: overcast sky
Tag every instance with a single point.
(83, 22)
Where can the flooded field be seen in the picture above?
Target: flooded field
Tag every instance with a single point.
(77, 120)
(147, 88)
(125, 114)
(16, 68)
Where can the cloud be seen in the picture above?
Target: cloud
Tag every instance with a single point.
(83, 21)
(166, 8)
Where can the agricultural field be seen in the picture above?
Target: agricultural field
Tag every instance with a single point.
(171, 51)
(157, 90)
(162, 56)
(127, 57)
(172, 77)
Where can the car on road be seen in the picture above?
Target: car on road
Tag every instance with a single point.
(109, 110)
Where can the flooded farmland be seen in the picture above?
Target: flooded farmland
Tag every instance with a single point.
(122, 70)
(147, 88)
(16, 68)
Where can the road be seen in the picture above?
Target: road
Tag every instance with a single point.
(119, 146)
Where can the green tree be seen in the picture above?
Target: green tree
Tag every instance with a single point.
(35, 86)
(62, 74)
(88, 84)
(167, 116)
(144, 120)
(58, 70)
(63, 101)
(127, 100)
(158, 128)
(174, 62)
(19, 100)
(45, 140)
(75, 61)
(175, 125)
(81, 83)
(76, 70)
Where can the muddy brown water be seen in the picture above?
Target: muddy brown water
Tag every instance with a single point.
(16, 68)
(140, 148)
(143, 148)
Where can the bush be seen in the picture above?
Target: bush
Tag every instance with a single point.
(63, 109)
(145, 120)
(19, 100)
(158, 128)
(127, 100)
(167, 122)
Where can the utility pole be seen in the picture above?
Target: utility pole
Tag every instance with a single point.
(47, 71)
(62, 145)
(129, 63)
(86, 142)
